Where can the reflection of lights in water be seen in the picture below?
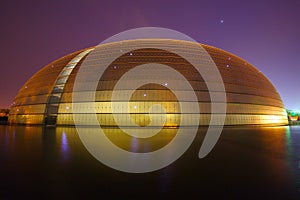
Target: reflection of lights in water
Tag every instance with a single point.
(134, 144)
(14, 135)
(293, 151)
(288, 141)
(64, 145)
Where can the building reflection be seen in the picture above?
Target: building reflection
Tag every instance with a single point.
(264, 160)
(293, 152)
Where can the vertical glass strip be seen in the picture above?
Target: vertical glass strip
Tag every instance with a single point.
(58, 88)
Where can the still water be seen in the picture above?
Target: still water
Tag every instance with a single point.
(246, 163)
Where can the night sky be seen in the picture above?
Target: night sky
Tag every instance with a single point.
(265, 33)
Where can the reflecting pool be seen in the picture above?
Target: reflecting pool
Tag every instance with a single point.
(246, 163)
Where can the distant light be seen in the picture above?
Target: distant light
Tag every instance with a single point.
(115, 67)
(130, 54)
(222, 21)
(67, 107)
(145, 95)
(293, 114)
(134, 107)
(227, 66)
(229, 58)
(166, 84)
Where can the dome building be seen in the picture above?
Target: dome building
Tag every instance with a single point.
(47, 97)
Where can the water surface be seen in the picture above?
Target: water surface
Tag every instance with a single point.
(246, 163)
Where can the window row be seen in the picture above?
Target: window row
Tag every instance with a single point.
(168, 107)
(171, 119)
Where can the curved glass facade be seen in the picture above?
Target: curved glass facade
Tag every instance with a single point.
(46, 98)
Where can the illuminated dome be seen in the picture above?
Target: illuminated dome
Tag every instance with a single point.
(46, 98)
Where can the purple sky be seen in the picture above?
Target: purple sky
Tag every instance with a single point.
(265, 33)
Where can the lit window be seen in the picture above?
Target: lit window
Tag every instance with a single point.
(145, 95)
(134, 107)
(67, 107)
